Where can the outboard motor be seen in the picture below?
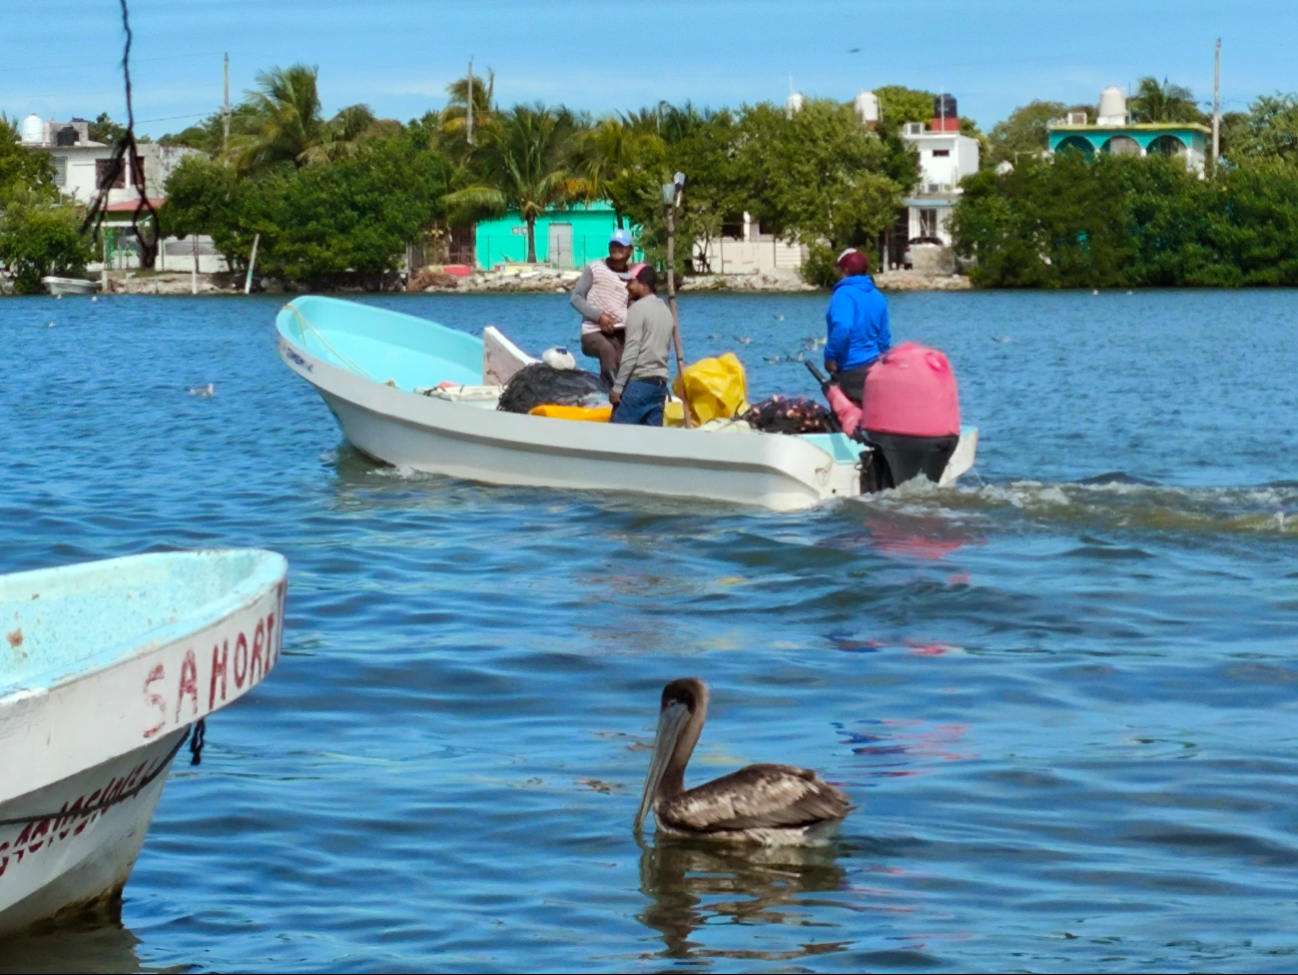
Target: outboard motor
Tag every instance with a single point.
(911, 419)
(911, 413)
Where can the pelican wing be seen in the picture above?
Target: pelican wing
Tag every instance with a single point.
(759, 796)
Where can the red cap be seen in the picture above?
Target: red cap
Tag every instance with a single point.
(853, 261)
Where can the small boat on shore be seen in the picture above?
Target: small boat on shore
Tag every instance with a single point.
(108, 668)
(59, 287)
(380, 371)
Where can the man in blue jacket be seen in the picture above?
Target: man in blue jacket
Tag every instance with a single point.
(858, 325)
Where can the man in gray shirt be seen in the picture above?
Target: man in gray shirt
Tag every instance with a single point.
(640, 388)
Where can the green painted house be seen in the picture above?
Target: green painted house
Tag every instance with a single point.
(569, 237)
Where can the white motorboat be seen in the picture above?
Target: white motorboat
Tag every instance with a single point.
(379, 373)
(107, 669)
(69, 286)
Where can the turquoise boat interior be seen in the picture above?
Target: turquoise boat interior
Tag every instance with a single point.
(61, 624)
(381, 345)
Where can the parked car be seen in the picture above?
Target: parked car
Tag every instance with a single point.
(906, 261)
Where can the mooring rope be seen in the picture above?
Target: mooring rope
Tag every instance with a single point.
(305, 324)
(195, 747)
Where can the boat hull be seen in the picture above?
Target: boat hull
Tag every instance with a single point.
(61, 869)
(111, 664)
(372, 367)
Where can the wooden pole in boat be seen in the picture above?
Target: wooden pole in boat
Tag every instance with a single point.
(672, 198)
(252, 263)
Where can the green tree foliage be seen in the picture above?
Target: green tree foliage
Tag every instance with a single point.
(817, 177)
(22, 171)
(208, 135)
(39, 235)
(1025, 131)
(104, 129)
(37, 238)
(285, 123)
(319, 224)
(1153, 102)
(1123, 221)
(526, 162)
(1268, 130)
(899, 105)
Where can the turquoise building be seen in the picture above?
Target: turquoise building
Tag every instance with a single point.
(1187, 140)
(569, 237)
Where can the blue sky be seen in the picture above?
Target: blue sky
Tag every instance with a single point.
(60, 56)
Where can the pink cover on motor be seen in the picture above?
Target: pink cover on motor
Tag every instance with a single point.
(911, 391)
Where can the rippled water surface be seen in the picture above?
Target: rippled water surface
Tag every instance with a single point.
(1063, 695)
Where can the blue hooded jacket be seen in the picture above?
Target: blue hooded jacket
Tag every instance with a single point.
(858, 323)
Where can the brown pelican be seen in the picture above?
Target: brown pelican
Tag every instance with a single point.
(760, 803)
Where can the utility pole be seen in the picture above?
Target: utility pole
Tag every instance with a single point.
(468, 118)
(1216, 107)
(225, 112)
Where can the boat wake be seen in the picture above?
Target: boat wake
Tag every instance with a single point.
(1111, 501)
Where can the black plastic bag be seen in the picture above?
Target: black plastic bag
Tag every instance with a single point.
(781, 414)
(538, 384)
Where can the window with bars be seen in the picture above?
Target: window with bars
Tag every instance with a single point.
(60, 170)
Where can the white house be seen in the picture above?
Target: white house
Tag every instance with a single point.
(742, 248)
(81, 164)
(80, 168)
(945, 158)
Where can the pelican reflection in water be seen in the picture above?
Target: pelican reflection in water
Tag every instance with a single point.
(703, 895)
(771, 804)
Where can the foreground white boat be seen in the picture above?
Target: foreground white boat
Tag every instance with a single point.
(373, 366)
(107, 667)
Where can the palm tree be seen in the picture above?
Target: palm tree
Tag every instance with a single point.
(524, 156)
(284, 123)
(1153, 102)
(609, 151)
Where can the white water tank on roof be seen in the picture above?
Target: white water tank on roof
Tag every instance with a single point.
(794, 103)
(867, 107)
(1113, 107)
(32, 131)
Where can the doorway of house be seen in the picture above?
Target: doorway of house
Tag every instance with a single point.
(560, 245)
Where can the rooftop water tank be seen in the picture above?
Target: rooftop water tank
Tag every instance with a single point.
(33, 130)
(867, 107)
(1113, 107)
(946, 116)
(794, 103)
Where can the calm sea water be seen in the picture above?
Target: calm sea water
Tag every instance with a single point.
(1063, 695)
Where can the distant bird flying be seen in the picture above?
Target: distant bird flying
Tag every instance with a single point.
(769, 804)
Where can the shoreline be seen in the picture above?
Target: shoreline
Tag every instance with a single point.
(531, 281)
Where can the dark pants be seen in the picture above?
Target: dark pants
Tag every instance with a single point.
(608, 350)
(642, 403)
(852, 382)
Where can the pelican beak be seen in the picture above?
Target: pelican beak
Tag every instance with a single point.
(670, 722)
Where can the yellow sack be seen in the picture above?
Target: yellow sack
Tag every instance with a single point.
(596, 414)
(717, 387)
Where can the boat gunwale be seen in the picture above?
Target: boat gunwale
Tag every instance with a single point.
(267, 571)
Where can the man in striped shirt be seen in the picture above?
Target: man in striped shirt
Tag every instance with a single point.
(601, 298)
